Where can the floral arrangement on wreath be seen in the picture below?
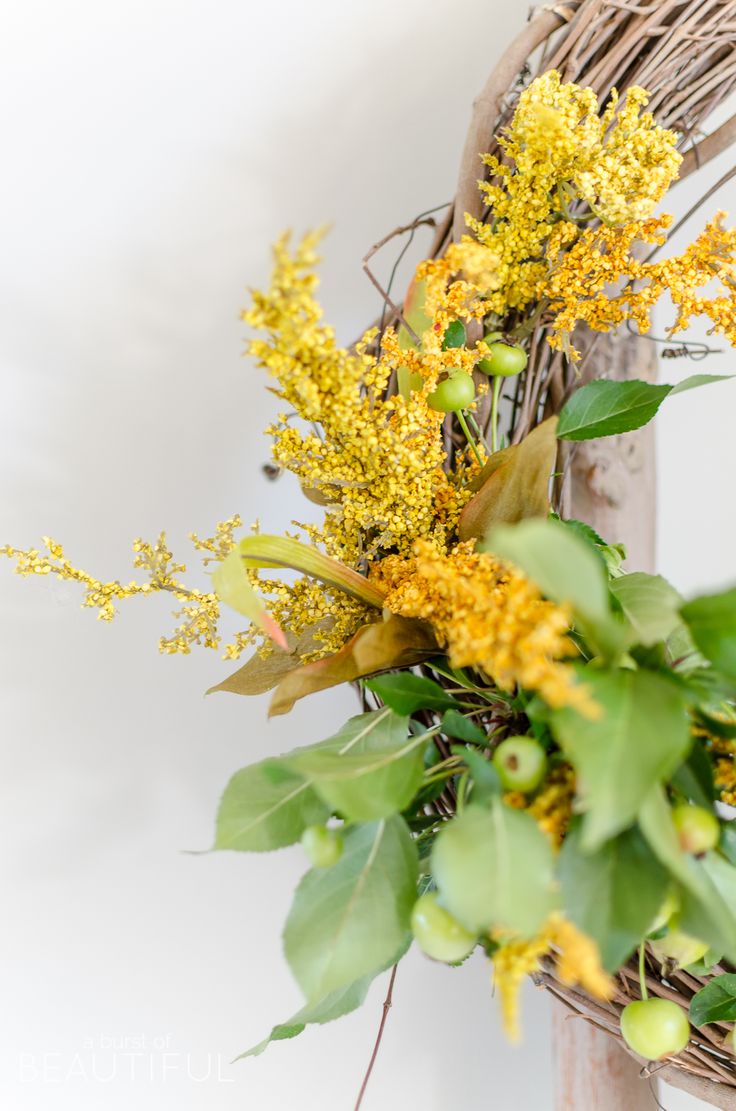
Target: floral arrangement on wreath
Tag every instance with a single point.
(547, 739)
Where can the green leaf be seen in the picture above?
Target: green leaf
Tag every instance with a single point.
(639, 740)
(718, 725)
(694, 778)
(367, 785)
(566, 569)
(723, 875)
(455, 335)
(455, 724)
(266, 806)
(716, 1002)
(727, 844)
(486, 782)
(696, 380)
(650, 604)
(598, 892)
(406, 693)
(711, 620)
(605, 408)
(350, 920)
(494, 868)
(333, 1006)
(371, 749)
(703, 912)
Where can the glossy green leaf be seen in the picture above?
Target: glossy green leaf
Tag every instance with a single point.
(711, 620)
(703, 911)
(716, 1002)
(606, 408)
(494, 868)
(597, 892)
(266, 806)
(650, 604)
(350, 920)
(406, 693)
(566, 569)
(638, 741)
(455, 335)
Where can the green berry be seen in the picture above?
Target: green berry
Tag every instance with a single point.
(439, 934)
(504, 360)
(521, 763)
(697, 828)
(453, 394)
(455, 335)
(323, 846)
(655, 1028)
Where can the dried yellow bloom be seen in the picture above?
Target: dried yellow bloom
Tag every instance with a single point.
(725, 780)
(200, 611)
(378, 460)
(577, 958)
(559, 150)
(551, 807)
(488, 616)
(512, 963)
(579, 289)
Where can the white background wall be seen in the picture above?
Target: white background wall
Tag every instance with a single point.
(151, 151)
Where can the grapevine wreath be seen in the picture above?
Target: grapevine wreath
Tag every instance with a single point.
(543, 761)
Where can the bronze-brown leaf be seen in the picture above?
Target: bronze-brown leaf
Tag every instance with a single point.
(393, 642)
(262, 673)
(515, 484)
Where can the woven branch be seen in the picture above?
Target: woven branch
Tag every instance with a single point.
(704, 1068)
(684, 53)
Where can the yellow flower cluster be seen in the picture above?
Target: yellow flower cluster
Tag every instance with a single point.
(488, 616)
(552, 806)
(376, 460)
(577, 959)
(583, 276)
(306, 609)
(558, 151)
(200, 610)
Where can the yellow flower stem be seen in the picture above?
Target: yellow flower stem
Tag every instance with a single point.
(496, 393)
(642, 976)
(463, 424)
